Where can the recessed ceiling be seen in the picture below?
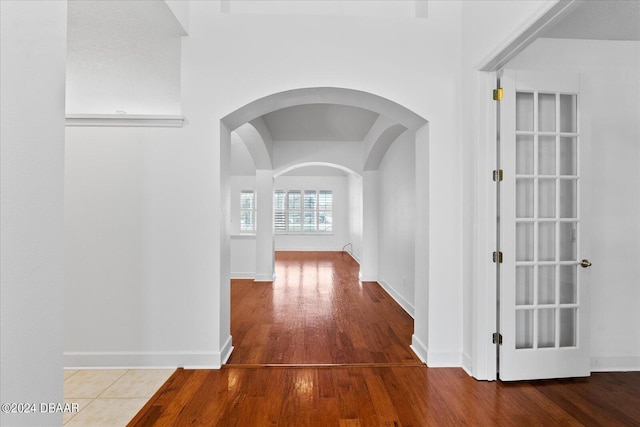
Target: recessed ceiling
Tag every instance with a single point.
(600, 20)
(319, 122)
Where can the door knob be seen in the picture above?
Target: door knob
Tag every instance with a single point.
(585, 263)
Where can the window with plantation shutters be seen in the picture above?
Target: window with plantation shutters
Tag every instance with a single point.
(325, 210)
(247, 211)
(279, 211)
(303, 211)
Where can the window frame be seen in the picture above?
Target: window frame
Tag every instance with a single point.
(282, 212)
(253, 210)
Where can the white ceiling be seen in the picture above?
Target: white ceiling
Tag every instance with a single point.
(600, 20)
(319, 122)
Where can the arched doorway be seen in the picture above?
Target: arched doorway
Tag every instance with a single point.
(392, 120)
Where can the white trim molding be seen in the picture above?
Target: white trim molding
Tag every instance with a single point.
(406, 305)
(225, 352)
(467, 363)
(240, 275)
(264, 277)
(419, 348)
(444, 359)
(147, 359)
(547, 16)
(124, 120)
(615, 363)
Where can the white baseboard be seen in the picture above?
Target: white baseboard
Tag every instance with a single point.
(419, 348)
(354, 256)
(145, 359)
(242, 275)
(406, 305)
(444, 359)
(307, 249)
(467, 364)
(264, 277)
(615, 363)
(226, 351)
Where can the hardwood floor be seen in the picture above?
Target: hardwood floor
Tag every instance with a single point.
(317, 313)
(386, 396)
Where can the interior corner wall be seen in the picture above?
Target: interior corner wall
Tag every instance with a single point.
(396, 221)
(611, 70)
(32, 77)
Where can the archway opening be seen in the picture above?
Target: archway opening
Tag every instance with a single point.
(359, 160)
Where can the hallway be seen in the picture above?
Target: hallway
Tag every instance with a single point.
(317, 312)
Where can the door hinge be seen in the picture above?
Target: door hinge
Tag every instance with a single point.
(497, 257)
(498, 175)
(497, 338)
(498, 94)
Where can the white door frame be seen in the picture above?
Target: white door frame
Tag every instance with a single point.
(484, 363)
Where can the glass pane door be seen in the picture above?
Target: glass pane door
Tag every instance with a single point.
(547, 226)
(542, 214)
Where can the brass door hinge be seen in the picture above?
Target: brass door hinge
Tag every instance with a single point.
(496, 338)
(498, 94)
(498, 175)
(497, 257)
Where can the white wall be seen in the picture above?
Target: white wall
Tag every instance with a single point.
(611, 69)
(396, 221)
(32, 61)
(132, 49)
(241, 160)
(333, 241)
(132, 268)
(243, 256)
(355, 215)
(243, 246)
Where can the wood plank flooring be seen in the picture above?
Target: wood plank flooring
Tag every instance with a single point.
(386, 396)
(318, 313)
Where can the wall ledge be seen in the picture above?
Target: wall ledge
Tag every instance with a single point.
(124, 120)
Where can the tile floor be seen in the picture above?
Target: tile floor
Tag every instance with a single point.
(109, 397)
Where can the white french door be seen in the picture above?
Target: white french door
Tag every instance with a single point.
(544, 281)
